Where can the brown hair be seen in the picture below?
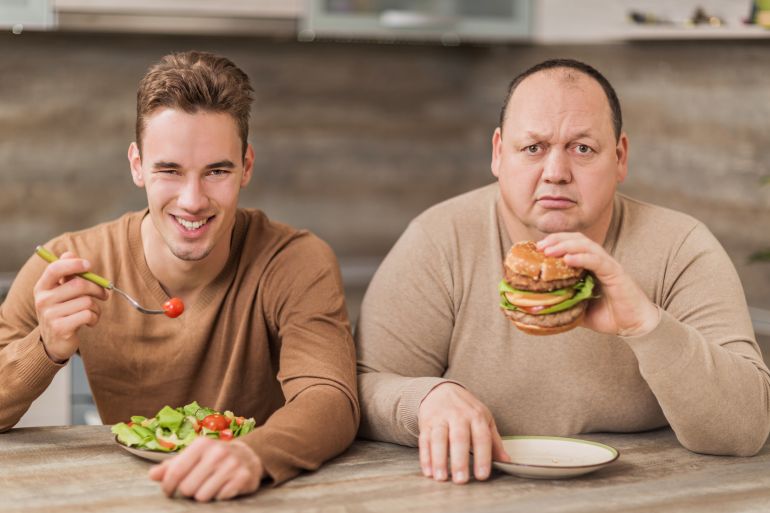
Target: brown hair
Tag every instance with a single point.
(193, 81)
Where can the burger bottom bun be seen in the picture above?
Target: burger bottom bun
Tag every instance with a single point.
(538, 330)
(549, 324)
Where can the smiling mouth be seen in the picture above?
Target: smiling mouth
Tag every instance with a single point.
(192, 225)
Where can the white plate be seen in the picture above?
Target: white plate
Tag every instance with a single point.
(554, 457)
(147, 455)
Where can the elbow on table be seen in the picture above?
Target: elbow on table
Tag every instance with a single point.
(737, 443)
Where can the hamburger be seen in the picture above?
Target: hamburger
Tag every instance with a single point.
(542, 295)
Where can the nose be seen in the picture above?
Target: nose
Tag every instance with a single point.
(192, 198)
(556, 168)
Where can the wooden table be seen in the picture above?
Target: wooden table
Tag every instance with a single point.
(80, 468)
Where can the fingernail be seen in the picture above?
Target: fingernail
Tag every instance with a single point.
(459, 477)
(439, 475)
(426, 471)
(483, 473)
(86, 264)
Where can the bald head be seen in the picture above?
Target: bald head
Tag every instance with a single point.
(569, 72)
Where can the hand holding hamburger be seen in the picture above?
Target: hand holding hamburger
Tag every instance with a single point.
(541, 294)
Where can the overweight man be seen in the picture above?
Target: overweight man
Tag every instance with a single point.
(668, 341)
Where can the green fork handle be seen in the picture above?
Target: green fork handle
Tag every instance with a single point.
(95, 278)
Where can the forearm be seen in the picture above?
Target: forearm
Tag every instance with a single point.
(25, 372)
(318, 424)
(390, 403)
(716, 398)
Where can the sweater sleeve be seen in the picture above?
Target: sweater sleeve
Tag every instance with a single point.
(25, 368)
(701, 361)
(306, 306)
(403, 336)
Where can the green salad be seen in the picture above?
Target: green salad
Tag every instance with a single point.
(173, 429)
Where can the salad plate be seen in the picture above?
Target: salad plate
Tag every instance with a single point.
(156, 456)
(172, 429)
(554, 457)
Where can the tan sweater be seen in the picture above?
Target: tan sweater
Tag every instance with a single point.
(431, 314)
(269, 338)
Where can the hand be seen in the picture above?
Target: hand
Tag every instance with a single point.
(450, 415)
(211, 469)
(623, 308)
(64, 303)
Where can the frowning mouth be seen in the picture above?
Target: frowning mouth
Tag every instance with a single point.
(555, 202)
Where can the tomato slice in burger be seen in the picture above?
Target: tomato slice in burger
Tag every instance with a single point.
(531, 299)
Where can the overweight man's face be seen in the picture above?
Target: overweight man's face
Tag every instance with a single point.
(192, 168)
(556, 158)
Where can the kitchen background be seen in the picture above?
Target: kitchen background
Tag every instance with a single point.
(362, 121)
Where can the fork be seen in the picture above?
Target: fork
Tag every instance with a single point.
(102, 282)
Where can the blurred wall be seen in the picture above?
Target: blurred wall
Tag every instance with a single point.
(353, 140)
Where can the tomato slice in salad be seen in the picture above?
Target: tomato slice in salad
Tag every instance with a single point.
(216, 422)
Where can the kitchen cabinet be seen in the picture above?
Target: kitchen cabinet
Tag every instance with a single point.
(448, 21)
(26, 14)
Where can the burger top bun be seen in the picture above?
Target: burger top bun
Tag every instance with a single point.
(524, 259)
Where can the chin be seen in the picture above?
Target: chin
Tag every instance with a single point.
(190, 254)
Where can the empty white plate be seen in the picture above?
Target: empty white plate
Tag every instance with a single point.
(554, 457)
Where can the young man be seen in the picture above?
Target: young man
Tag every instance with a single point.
(265, 331)
(669, 341)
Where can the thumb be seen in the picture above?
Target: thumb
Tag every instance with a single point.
(498, 450)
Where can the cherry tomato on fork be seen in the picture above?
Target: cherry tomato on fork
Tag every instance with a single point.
(173, 307)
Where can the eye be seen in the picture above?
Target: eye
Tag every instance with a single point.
(219, 172)
(532, 149)
(583, 149)
(168, 171)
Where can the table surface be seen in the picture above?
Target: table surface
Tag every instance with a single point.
(81, 468)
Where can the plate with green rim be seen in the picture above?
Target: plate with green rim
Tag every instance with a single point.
(554, 457)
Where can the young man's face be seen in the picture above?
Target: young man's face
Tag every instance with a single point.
(557, 160)
(192, 167)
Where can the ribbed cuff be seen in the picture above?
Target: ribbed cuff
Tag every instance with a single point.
(34, 365)
(411, 398)
(663, 347)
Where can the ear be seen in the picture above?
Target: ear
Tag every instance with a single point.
(621, 151)
(497, 150)
(248, 165)
(135, 161)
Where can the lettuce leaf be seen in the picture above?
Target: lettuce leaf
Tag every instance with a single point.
(583, 290)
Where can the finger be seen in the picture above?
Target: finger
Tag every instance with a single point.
(65, 327)
(71, 307)
(572, 245)
(206, 467)
(227, 470)
(157, 472)
(481, 437)
(555, 238)
(61, 269)
(180, 466)
(438, 451)
(424, 447)
(231, 489)
(459, 447)
(498, 449)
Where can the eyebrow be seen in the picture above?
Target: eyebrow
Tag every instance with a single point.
(538, 136)
(173, 165)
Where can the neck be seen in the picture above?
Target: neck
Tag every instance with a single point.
(181, 278)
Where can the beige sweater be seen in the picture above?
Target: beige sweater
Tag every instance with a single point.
(431, 314)
(269, 338)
